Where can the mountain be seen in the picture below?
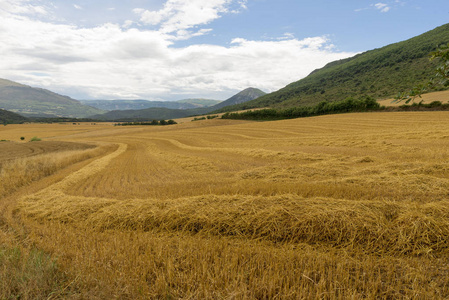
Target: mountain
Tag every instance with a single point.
(242, 97)
(9, 117)
(165, 113)
(110, 105)
(27, 100)
(379, 73)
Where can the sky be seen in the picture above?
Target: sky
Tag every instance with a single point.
(178, 49)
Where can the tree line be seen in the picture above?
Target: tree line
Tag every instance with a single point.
(350, 104)
(152, 123)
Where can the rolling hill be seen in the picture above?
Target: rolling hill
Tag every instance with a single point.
(110, 105)
(29, 101)
(379, 73)
(166, 113)
(8, 117)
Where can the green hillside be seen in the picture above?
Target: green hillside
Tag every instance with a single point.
(28, 101)
(8, 117)
(379, 73)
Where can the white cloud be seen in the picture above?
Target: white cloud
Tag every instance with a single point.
(128, 24)
(22, 7)
(114, 61)
(77, 6)
(383, 7)
(185, 15)
(288, 35)
(243, 4)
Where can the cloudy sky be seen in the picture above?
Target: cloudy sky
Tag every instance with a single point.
(177, 49)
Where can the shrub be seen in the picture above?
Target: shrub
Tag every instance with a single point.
(199, 119)
(35, 139)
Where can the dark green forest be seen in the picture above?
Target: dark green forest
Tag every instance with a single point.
(9, 117)
(363, 104)
(323, 108)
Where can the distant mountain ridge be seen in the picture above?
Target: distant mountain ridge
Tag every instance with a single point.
(165, 113)
(26, 100)
(148, 114)
(246, 95)
(379, 73)
(200, 102)
(109, 105)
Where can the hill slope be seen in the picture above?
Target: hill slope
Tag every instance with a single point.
(380, 73)
(165, 113)
(27, 100)
(8, 117)
(242, 97)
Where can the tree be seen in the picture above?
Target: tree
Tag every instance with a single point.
(441, 77)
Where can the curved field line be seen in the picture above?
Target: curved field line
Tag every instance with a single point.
(250, 152)
(92, 168)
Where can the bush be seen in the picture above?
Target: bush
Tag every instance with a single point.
(199, 119)
(35, 139)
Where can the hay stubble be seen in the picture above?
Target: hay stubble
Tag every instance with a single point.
(330, 207)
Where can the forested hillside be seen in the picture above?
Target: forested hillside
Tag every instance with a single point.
(8, 117)
(379, 73)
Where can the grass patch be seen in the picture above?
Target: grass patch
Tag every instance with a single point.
(29, 274)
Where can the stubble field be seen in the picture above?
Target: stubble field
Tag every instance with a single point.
(352, 206)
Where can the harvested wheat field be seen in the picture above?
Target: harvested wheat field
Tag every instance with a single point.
(351, 206)
(442, 96)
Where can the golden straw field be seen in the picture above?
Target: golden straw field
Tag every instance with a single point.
(351, 206)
